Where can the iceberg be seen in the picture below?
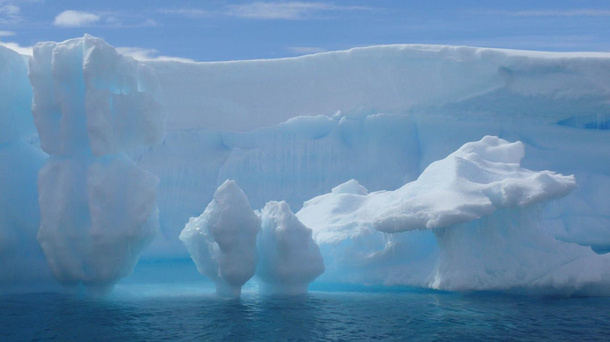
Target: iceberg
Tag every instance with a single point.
(222, 241)
(289, 258)
(484, 210)
(98, 208)
(94, 175)
(22, 263)
(291, 129)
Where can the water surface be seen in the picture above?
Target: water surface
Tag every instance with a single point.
(172, 313)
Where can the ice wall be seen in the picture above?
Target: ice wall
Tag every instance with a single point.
(98, 208)
(22, 264)
(244, 95)
(294, 128)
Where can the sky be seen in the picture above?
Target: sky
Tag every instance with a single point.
(235, 30)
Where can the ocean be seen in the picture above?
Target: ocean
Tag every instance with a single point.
(173, 312)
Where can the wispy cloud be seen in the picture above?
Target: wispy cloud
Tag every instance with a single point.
(149, 55)
(262, 10)
(563, 13)
(305, 50)
(186, 12)
(149, 22)
(71, 18)
(547, 13)
(10, 14)
(294, 10)
(116, 19)
(536, 42)
(6, 33)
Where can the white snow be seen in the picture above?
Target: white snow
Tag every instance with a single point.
(484, 210)
(472, 182)
(222, 241)
(289, 258)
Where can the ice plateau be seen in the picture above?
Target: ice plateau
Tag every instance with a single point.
(103, 159)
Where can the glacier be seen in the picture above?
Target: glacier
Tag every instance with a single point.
(104, 155)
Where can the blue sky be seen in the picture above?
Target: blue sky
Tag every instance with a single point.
(229, 30)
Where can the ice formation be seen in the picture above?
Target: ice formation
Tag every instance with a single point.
(291, 129)
(289, 258)
(222, 241)
(484, 210)
(98, 208)
(22, 263)
(90, 99)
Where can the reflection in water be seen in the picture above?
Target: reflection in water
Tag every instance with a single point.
(176, 314)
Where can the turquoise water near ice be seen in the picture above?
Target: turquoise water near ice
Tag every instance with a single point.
(177, 309)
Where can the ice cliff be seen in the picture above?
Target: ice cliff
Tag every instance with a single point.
(292, 130)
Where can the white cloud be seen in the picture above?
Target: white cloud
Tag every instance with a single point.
(185, 12)
(9, 14)
(113, 21)
(547, 13)
(293, 10)
(75, 19)
(149, 55)
(305, 50)
(24, 50)
(6, 33)
(284, 10)
(149, 22)
(9, 10)
(563, 13)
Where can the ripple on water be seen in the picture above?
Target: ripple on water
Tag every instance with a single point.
(412, 315)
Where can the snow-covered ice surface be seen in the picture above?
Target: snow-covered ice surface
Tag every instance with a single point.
(222, 241)
(484, 210)
(293, 129)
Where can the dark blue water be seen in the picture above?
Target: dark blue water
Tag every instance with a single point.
(174, 313)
